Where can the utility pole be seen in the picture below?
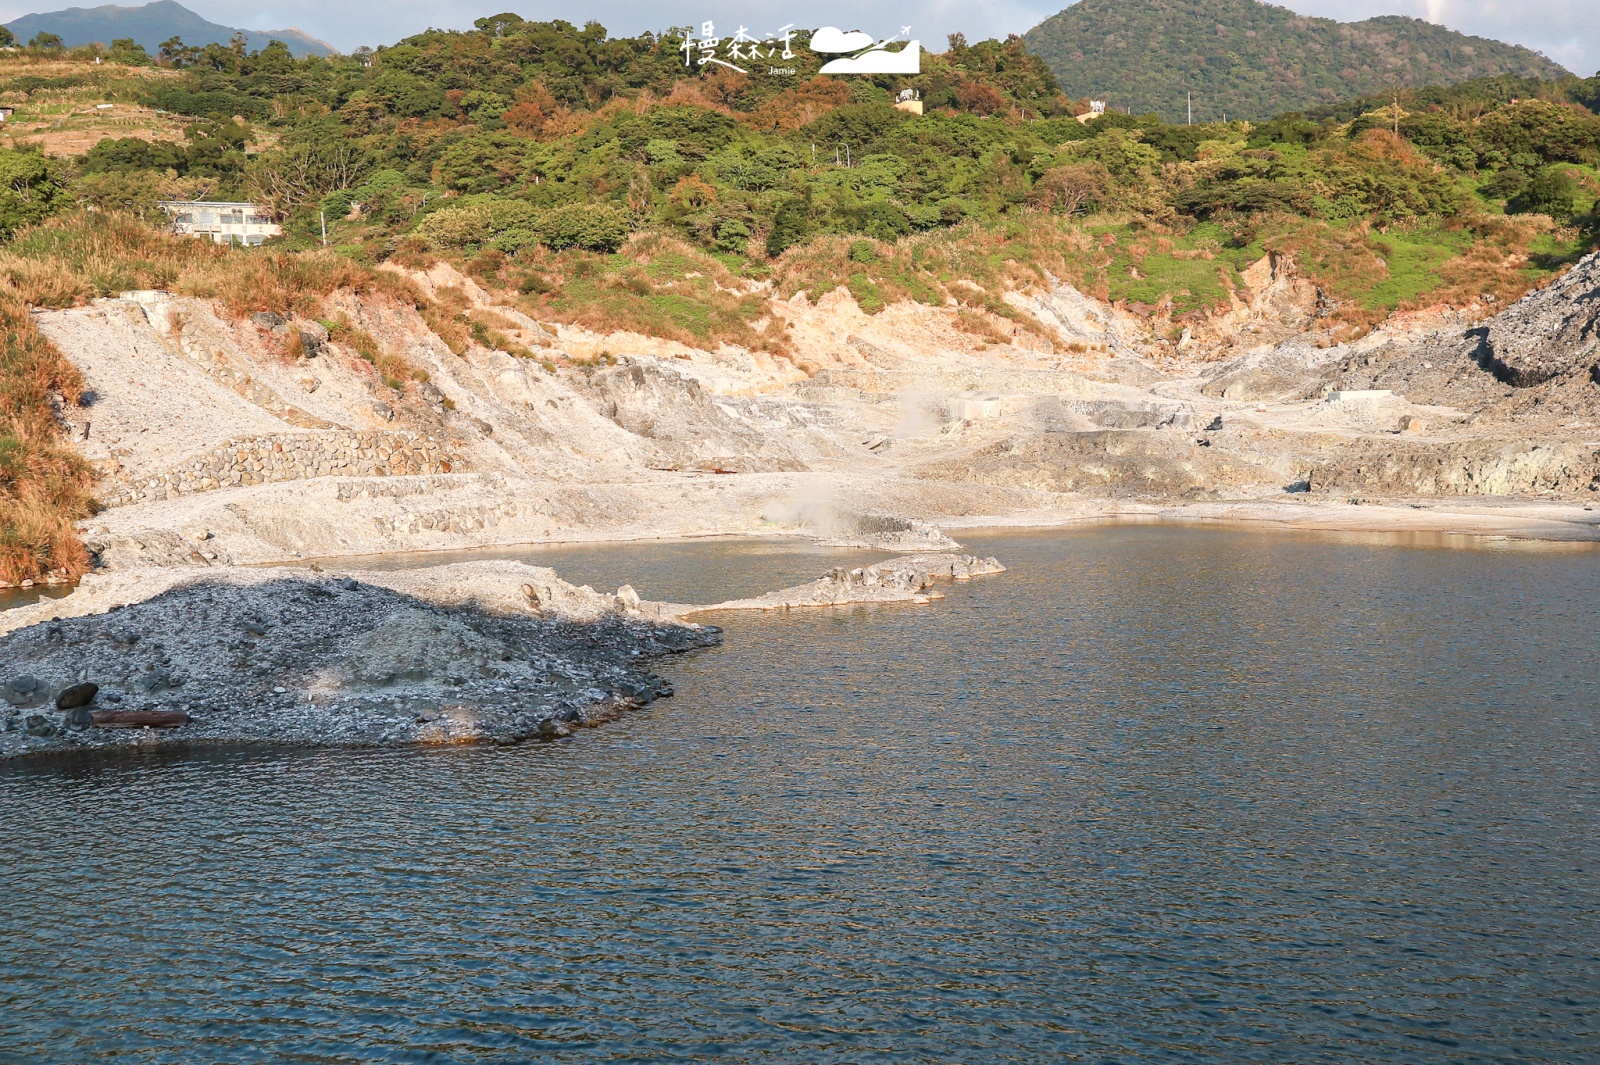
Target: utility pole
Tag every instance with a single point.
(1191, 109)
(1394, 84)
(324, 216)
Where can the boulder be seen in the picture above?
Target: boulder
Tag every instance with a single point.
(23, 690)
(77, 695)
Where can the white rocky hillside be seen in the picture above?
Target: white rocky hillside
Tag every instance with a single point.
(217, 449)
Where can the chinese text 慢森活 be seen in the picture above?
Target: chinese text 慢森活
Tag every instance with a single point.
(740, 48)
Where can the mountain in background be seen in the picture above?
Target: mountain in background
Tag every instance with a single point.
(1254, 60)
(150, 25)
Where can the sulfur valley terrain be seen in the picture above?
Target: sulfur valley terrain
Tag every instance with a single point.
(573, 290)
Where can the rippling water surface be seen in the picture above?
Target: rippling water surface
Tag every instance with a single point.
(1155, 795)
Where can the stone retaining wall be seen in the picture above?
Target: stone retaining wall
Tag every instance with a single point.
(290, 457)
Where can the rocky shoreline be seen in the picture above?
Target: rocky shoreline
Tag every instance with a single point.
(452, 654)
(909, 579)
(473, 652)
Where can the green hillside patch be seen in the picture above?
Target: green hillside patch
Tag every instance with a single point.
(1253, 60)
(1194, 271)
(655, 285)
(1414, 260)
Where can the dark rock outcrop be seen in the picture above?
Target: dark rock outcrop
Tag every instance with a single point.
(1552, 332)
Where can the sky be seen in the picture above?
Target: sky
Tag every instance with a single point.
(1567, 31)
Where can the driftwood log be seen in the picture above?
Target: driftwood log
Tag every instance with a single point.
(139, 718)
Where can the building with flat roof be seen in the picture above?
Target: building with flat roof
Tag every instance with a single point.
(224, 223)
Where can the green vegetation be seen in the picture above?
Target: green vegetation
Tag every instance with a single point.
(600, 182)
(30, 189)
(527, 139)
(1253, 60)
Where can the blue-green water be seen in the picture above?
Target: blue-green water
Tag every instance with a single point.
(1154, 795)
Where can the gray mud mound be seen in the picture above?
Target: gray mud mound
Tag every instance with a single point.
(1548, 338)
(337, 662)
(1289, 372)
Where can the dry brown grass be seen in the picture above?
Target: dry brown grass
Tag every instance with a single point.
(395, 369)
(76, 257)
(44, 485)
(1497, 266)
(975, 323)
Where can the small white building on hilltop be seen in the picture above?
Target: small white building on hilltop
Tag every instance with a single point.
(1096, 109)
(224, 223)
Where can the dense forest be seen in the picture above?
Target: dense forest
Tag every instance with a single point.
(522, 134)
(1245, 59)
(541, 154)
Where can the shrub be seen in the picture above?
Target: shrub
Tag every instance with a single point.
(733, 236)
(790, 226)
(1551, 191)
(591, 227)
(478, 220)
(30, 189)
(1072, 188)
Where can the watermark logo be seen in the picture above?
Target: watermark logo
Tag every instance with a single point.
(740, 48)
(857, 52)
(866, 56)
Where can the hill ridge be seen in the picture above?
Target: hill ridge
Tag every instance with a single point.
(1255, 60)
(150, 24)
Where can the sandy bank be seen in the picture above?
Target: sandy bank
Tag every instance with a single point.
(1513, 519)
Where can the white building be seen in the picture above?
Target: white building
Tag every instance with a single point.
(1096, 109)
(225, 223)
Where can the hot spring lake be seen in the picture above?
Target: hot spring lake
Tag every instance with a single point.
(1156, 794)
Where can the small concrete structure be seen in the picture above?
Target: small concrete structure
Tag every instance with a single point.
(976, 407)
(909, 100)
(224, 223)
(1348, 395)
